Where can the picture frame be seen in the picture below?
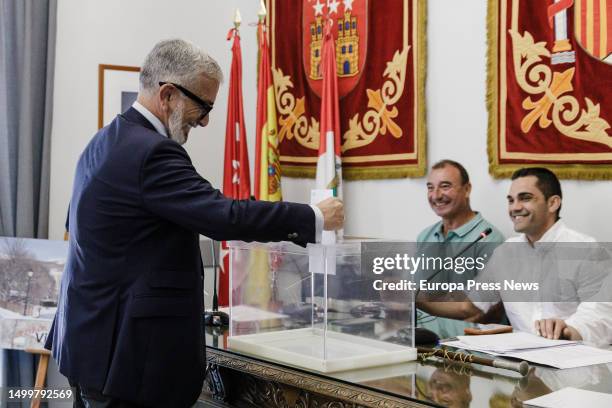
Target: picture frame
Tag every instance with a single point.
(30, 276)
(117, 90)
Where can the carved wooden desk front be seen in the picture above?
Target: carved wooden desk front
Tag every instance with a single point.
(239, 381)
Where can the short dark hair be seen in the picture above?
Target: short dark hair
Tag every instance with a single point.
(547, 183)
(465, 177)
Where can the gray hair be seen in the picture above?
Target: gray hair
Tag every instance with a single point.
(177, 61)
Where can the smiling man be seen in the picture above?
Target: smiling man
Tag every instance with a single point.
(448, 193)
(128, 331)
(534, 203)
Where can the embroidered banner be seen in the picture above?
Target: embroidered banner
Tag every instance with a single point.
(549, 83)
(380, 84)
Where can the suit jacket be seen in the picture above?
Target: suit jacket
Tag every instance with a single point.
(129, 317)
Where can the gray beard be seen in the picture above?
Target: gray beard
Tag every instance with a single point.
(175, 125)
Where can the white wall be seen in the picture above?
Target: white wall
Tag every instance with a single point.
(122, 32)
(92, 32)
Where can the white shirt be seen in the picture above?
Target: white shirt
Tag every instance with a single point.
(154, 120)
(593, 320)
(160, 128)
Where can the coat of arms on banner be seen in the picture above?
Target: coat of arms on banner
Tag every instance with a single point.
(550, 75)
(380, 84)
(351, 43)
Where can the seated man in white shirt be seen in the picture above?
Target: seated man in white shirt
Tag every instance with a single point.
(592, 321)
(534, 202)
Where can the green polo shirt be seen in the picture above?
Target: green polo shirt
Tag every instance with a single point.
(434, 242)
(468, 232)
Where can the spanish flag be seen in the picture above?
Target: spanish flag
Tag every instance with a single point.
(260, 284)
(267, 163)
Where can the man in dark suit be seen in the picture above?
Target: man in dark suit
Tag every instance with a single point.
(128, 329)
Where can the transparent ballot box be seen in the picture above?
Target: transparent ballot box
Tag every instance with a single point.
(315, 308)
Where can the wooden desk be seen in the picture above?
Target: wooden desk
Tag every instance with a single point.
(243, 381)
(239, 381)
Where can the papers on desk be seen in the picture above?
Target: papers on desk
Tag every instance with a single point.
(505, 342)
(571, 356)
(571, 397)
(529, 347)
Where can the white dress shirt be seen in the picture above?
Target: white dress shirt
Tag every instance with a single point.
(154, 120)
(160, 128)
(593, 320)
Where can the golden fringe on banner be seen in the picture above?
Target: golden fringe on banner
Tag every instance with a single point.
(564, 171)
(361, 173)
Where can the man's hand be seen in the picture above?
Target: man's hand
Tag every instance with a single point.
(556, 329)
(333, 213)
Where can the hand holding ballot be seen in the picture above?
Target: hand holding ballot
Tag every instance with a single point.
(333, 213)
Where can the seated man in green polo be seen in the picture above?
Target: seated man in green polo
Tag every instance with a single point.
(448, 193)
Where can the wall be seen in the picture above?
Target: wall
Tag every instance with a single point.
(92, 32)
(121, 32)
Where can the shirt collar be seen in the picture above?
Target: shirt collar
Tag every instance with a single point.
(157, 124)
(553, 234)
(463, 230)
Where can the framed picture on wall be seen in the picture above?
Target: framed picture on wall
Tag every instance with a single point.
(117, 90)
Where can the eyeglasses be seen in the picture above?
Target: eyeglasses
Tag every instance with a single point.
(205, 107)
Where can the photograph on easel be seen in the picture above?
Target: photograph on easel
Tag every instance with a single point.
(30, 273)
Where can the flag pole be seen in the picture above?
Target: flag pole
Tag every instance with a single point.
(329, 164)
(261, 17)
(237, 19)
(236, 172)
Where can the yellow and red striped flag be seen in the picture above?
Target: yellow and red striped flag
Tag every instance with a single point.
(260, 280)
(267, 161)
(593, 27)
(236, 178)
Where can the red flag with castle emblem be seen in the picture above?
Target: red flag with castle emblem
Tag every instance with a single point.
(329, 167)
(236, 179)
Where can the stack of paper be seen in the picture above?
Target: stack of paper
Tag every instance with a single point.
(571, 397)
(536, 349)
(503, 343)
